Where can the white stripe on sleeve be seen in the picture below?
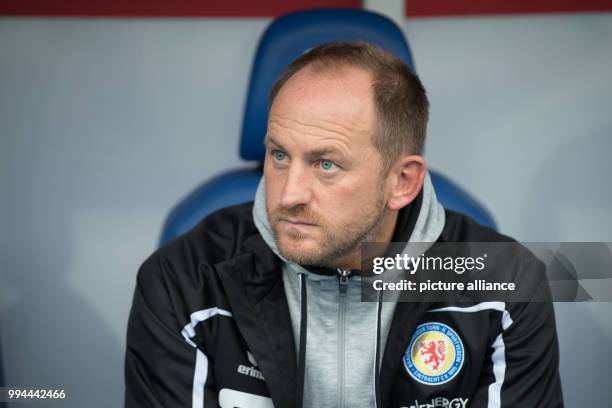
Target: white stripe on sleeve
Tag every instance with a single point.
(201, 367)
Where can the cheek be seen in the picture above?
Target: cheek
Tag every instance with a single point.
(357, 198)
(339, 204)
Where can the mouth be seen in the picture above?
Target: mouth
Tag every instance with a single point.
(296, 222)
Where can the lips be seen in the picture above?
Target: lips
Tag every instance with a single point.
(297, 222)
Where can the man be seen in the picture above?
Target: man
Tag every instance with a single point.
(260, 304)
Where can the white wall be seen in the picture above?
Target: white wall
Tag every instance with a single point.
(105, 124)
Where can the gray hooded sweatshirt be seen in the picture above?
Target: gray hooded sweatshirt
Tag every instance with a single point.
(342, 332)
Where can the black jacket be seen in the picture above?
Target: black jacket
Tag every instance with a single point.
(210, 326)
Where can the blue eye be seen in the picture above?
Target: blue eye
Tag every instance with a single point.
(327, 165)
(279, 156)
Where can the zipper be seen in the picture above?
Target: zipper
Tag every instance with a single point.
(343, 280)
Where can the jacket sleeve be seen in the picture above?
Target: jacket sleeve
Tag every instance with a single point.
(162, 367)
(523, 368)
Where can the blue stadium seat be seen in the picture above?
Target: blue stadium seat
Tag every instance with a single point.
(283, 41)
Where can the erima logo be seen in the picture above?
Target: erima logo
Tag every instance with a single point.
(251, 371)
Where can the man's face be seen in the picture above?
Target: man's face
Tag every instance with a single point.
(325, 192)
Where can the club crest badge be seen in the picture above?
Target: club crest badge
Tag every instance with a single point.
(435, 354)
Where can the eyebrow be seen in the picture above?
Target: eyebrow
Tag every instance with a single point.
(269, 140)
(323, 151)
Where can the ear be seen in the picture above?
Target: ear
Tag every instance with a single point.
(405, 180)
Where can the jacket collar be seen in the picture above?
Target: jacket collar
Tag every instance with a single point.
(254, 286)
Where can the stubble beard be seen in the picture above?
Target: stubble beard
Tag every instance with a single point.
(337, 242)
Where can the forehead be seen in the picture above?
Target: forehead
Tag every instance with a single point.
(333, 104)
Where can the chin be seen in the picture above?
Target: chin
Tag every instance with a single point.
(301, 251)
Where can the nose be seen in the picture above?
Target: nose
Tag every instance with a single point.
(297, 189)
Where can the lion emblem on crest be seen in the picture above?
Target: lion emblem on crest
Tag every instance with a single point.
(433, 353)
